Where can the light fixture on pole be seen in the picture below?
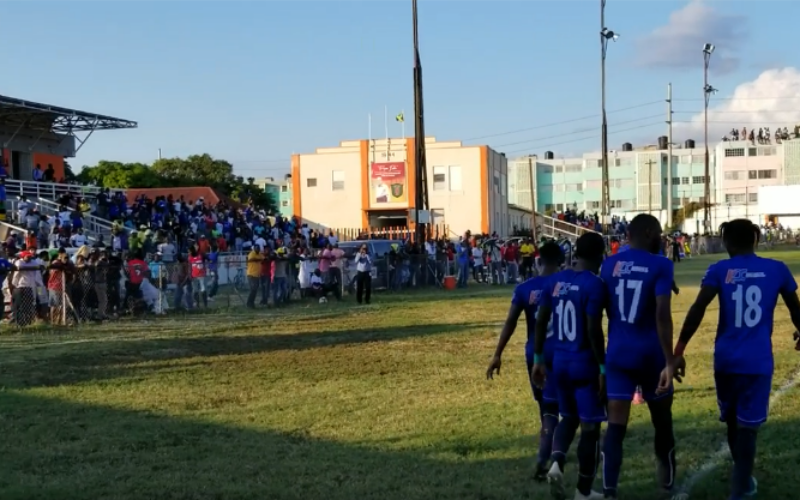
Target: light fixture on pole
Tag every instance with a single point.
(606, 35)
(708, 91)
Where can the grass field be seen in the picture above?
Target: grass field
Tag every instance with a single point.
(332, 402)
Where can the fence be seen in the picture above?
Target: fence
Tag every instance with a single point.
(61, 293)
(435, 231)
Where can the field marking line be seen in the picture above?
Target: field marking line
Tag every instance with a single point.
(715, 460)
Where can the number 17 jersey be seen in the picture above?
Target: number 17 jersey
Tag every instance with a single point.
(748, 287)
(633, 280)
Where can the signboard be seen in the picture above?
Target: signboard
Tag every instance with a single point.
(388, 183)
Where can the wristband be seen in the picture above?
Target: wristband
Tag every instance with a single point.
(602, 369)
(680, 348)
(538, 359)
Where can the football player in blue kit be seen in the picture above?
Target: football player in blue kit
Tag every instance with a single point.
(748, 288)
(638, 284)
(527, 297)
(574, 303)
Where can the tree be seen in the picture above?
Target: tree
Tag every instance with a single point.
(113, 174)
(197, 170)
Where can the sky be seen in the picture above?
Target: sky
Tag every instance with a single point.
(253, 82)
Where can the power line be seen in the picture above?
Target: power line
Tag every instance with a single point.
(742, 99)
(588, 137)
(563, 122)
(581, 131)
(736, 112)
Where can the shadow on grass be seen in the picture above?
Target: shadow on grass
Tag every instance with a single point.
(56, 364)
(57, 449)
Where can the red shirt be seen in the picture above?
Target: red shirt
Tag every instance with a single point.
(510, 254)
(198, 266)
(136, 271)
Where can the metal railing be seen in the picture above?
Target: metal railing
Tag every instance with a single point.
(49, 190)
(556, 228)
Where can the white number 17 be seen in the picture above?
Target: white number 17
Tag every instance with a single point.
(636, 286)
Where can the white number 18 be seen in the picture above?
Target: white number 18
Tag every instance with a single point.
(748, 306)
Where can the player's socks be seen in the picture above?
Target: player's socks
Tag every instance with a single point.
(742, 478)
(549, 423)
(562, 439)
(733, 429)
(664, 448)
(588, 457)
(612, 458)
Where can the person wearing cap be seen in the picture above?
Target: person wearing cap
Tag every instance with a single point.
(26, 278)
(280, 269)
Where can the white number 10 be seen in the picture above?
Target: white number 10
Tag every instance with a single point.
(636, 286)
(748, 306)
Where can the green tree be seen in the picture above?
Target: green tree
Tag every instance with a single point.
(113, 174)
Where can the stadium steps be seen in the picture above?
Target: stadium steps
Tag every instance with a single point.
(552, 227)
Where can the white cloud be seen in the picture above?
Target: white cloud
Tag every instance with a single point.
(679, 43)
(771, 100)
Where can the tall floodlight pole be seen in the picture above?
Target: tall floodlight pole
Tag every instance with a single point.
(605, 36)
(708, 91)
(421, 177)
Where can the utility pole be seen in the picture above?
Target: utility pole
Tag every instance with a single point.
(421, 201)
(669, 155)
(708, 90)
(533, 198)
(604, 38)
(650, 164)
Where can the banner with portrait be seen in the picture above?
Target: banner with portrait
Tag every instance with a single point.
(388, 183)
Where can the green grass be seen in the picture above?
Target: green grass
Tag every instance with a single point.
(330, 402)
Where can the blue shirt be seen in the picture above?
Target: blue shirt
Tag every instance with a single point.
(528, 296)
(573, 295)
(633, 280)
(748, 287)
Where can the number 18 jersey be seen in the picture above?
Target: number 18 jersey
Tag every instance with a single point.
(572, 296)
(748, 287)
(633, 279)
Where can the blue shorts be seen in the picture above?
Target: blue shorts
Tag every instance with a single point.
(549, 394)
(621, 382)
(744, 395)
(577, 383)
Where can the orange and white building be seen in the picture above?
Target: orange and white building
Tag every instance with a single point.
(371, 184)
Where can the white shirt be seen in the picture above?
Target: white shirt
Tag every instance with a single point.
(316, 281)
(381, 191)
(78, 240)
(477, 256)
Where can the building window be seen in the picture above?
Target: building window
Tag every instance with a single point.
(574, 187)
(337, 180)
(439, 178)
(559, 169)
(752, 152)
(752, 197)
(685, 159)
(573, 168)
(769, 151)
(284, 188)
(455, 178)
(735, 198)
(546, 187)
(594, 184)
(735, 175)
(623, 162)
(285, 203)
(767, 174)
(496, 183)
(311, 182)
(548, 207)
(594, 205)
(544, 168)
(684, 180)
(699, 179)
(503, 185)
(734, 152)
(676, 181)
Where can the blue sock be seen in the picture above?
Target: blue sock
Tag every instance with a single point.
(745, 457)
(612, 458)
(562, 439)
(588, 457)
(549, 416)
(664, 446)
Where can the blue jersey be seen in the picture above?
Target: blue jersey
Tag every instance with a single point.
(528, 296)
(633, 279)
(748, 287)
(572, 296)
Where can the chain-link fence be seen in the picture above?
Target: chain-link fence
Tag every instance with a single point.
(69, 291)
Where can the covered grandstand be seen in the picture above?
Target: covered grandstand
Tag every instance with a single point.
(32, 133)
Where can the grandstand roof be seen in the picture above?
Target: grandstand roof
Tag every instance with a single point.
(48, 118)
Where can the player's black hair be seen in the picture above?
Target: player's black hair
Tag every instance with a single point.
(550, 253)
(740, 234)
(643, 223)
(591, 247)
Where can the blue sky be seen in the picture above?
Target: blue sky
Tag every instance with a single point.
(253, 82)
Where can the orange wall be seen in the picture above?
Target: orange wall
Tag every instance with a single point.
(296, 202)
(365, 182)
(484, 189)
(45, 159)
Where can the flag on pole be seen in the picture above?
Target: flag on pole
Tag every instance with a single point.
(400, 118)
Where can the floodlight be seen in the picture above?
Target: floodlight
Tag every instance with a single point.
(609, 35)
(710, 90)
(708, 48)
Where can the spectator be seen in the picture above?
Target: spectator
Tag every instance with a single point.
(254, 259)
(363, 276)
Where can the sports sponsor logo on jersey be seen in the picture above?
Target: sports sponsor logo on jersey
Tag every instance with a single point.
(534, 297)
(623, 268)
(740, 275)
